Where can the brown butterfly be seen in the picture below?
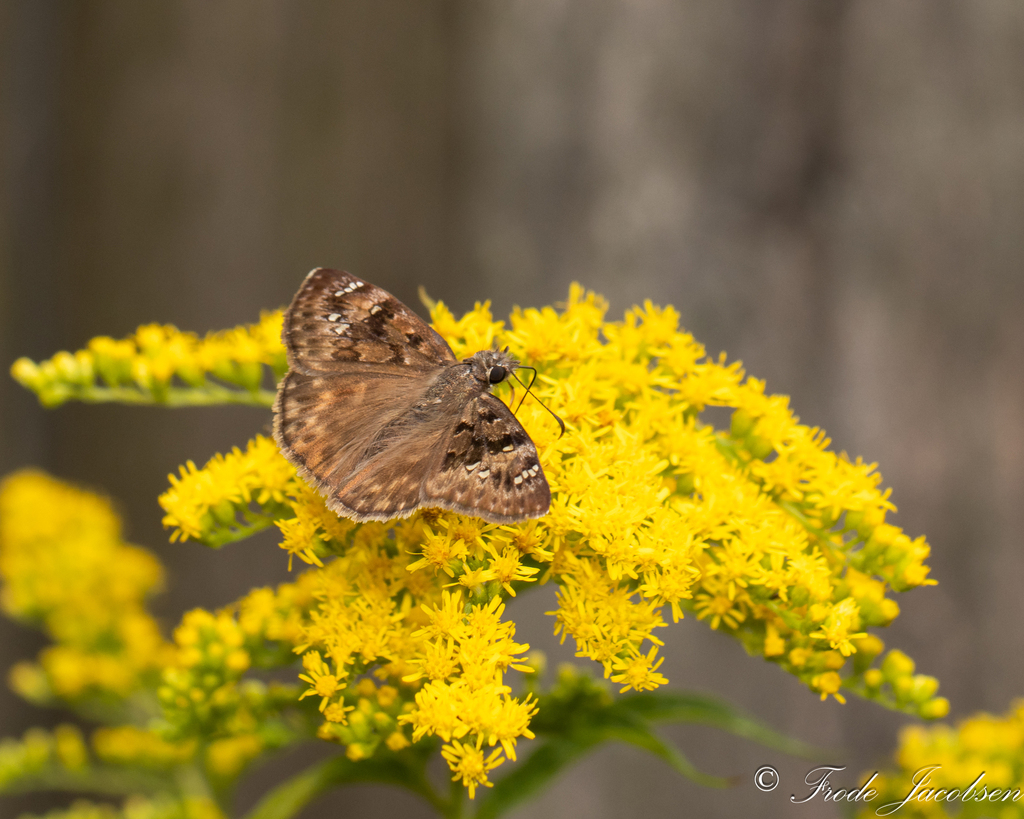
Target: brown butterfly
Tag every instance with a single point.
(378, 414)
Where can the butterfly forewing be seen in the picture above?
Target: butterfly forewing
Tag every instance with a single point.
(338, 319)
(489, 467)
(378, 415)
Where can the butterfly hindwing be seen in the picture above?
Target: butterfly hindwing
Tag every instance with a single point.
(337, 320)
(389, 482)
(328, 425)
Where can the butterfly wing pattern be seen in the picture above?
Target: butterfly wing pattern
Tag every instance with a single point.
(336, 320)
(489, 466)
(379, 416)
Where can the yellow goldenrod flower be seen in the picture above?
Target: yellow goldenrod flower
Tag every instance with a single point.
(322, 682)
(442, 553)
(639, 672)
(828, 683)
(507, 568)
(837, 626)
(470, 764)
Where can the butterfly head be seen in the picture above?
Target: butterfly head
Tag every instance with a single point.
(491, 366)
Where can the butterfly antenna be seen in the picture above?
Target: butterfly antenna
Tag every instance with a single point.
(427, 302)
(526, 387)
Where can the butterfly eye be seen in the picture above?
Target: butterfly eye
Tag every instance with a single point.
(496, 375)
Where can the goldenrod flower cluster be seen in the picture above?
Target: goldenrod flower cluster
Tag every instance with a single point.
(61, 759)
(161, 364)
(232, 497)
(973, 770)
(760, 530)
(171, 709)
(65, 568)
(205, 698)
(40, 749)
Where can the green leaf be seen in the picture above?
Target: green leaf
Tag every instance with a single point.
(287, 799)
(645, 738)
(532, 776)
(577, 721)
(556, 754)
(701, 709)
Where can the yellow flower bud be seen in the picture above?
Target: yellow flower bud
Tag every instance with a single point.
(70, 747)
(897, 665)
(26, 373)
(935, 709)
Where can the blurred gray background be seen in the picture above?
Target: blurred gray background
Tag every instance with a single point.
(832, 192)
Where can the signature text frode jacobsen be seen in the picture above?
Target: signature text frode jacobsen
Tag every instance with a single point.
(922, 790)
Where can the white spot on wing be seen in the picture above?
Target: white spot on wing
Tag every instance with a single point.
(334, 316)
(484, 473)
(471, 467)
(375, 310)
(508, 448)
(518, 479)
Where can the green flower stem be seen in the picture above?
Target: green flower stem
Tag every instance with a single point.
(206, 396)
(456, 805)
(256, 523)
(104, 780)
(191, 781)
(855, 686)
